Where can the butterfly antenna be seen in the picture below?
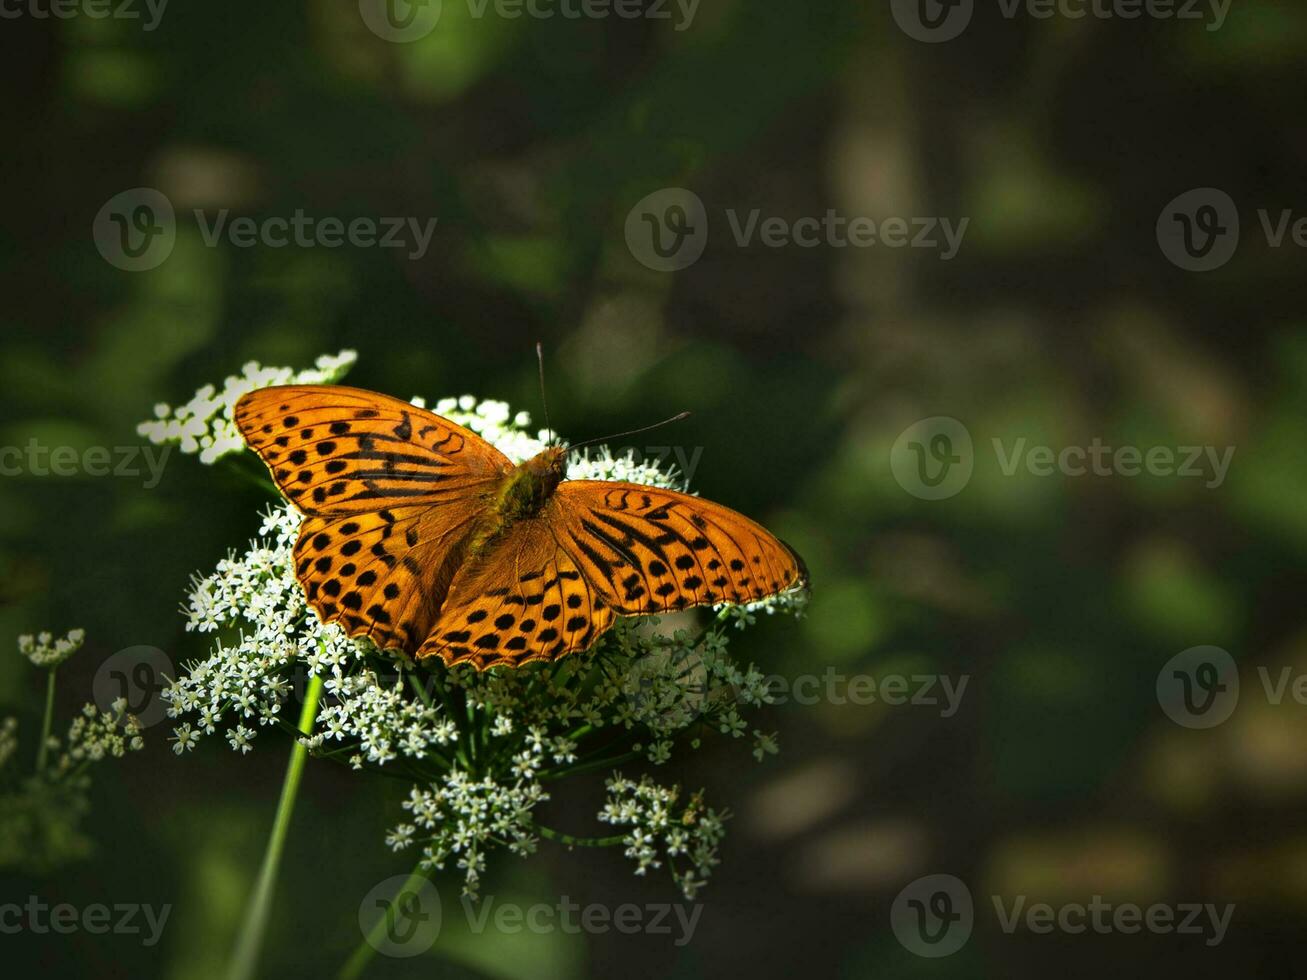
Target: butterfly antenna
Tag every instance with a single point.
(619, 435)
(540, 362)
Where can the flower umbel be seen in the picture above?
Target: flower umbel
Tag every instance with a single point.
(481, 748)
(204, 424)
(41, 812)
(43, 650)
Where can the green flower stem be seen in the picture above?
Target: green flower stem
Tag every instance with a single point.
(616, 760)
(571, 841)
(250, 941)
(46, 722)
(353, 967)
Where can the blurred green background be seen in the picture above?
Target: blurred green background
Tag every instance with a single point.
(1059, 320)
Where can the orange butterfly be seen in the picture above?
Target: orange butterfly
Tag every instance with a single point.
(422, 536)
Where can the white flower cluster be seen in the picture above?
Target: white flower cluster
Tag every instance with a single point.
(479, 746)
(660, 832)
(41, 812)
(384, 721)
(204, 424)
(44, 650)
(269, 638)
(96, 735)
(462, 817)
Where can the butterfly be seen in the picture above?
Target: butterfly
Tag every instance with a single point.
(423, 537)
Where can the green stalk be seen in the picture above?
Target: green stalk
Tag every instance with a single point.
(571, 841)
(617, 760)
(250, 941)
(46, 722)
(353, 967)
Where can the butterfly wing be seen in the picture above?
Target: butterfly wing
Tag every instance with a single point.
(553, 584)
(384, 574)
(391, 493)
(336, 451)
(525, 599)
(649, 550)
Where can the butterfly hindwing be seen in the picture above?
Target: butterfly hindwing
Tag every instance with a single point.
(334, 450)
(383, 575)
(651, 550)
(526, 599)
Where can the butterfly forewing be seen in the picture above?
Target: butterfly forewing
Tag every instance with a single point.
(334, 450)
(651, 550)
(390, 491)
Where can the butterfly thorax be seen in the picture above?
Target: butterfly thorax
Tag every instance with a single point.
(528, 486)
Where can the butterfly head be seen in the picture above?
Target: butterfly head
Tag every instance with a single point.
(550, 465)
